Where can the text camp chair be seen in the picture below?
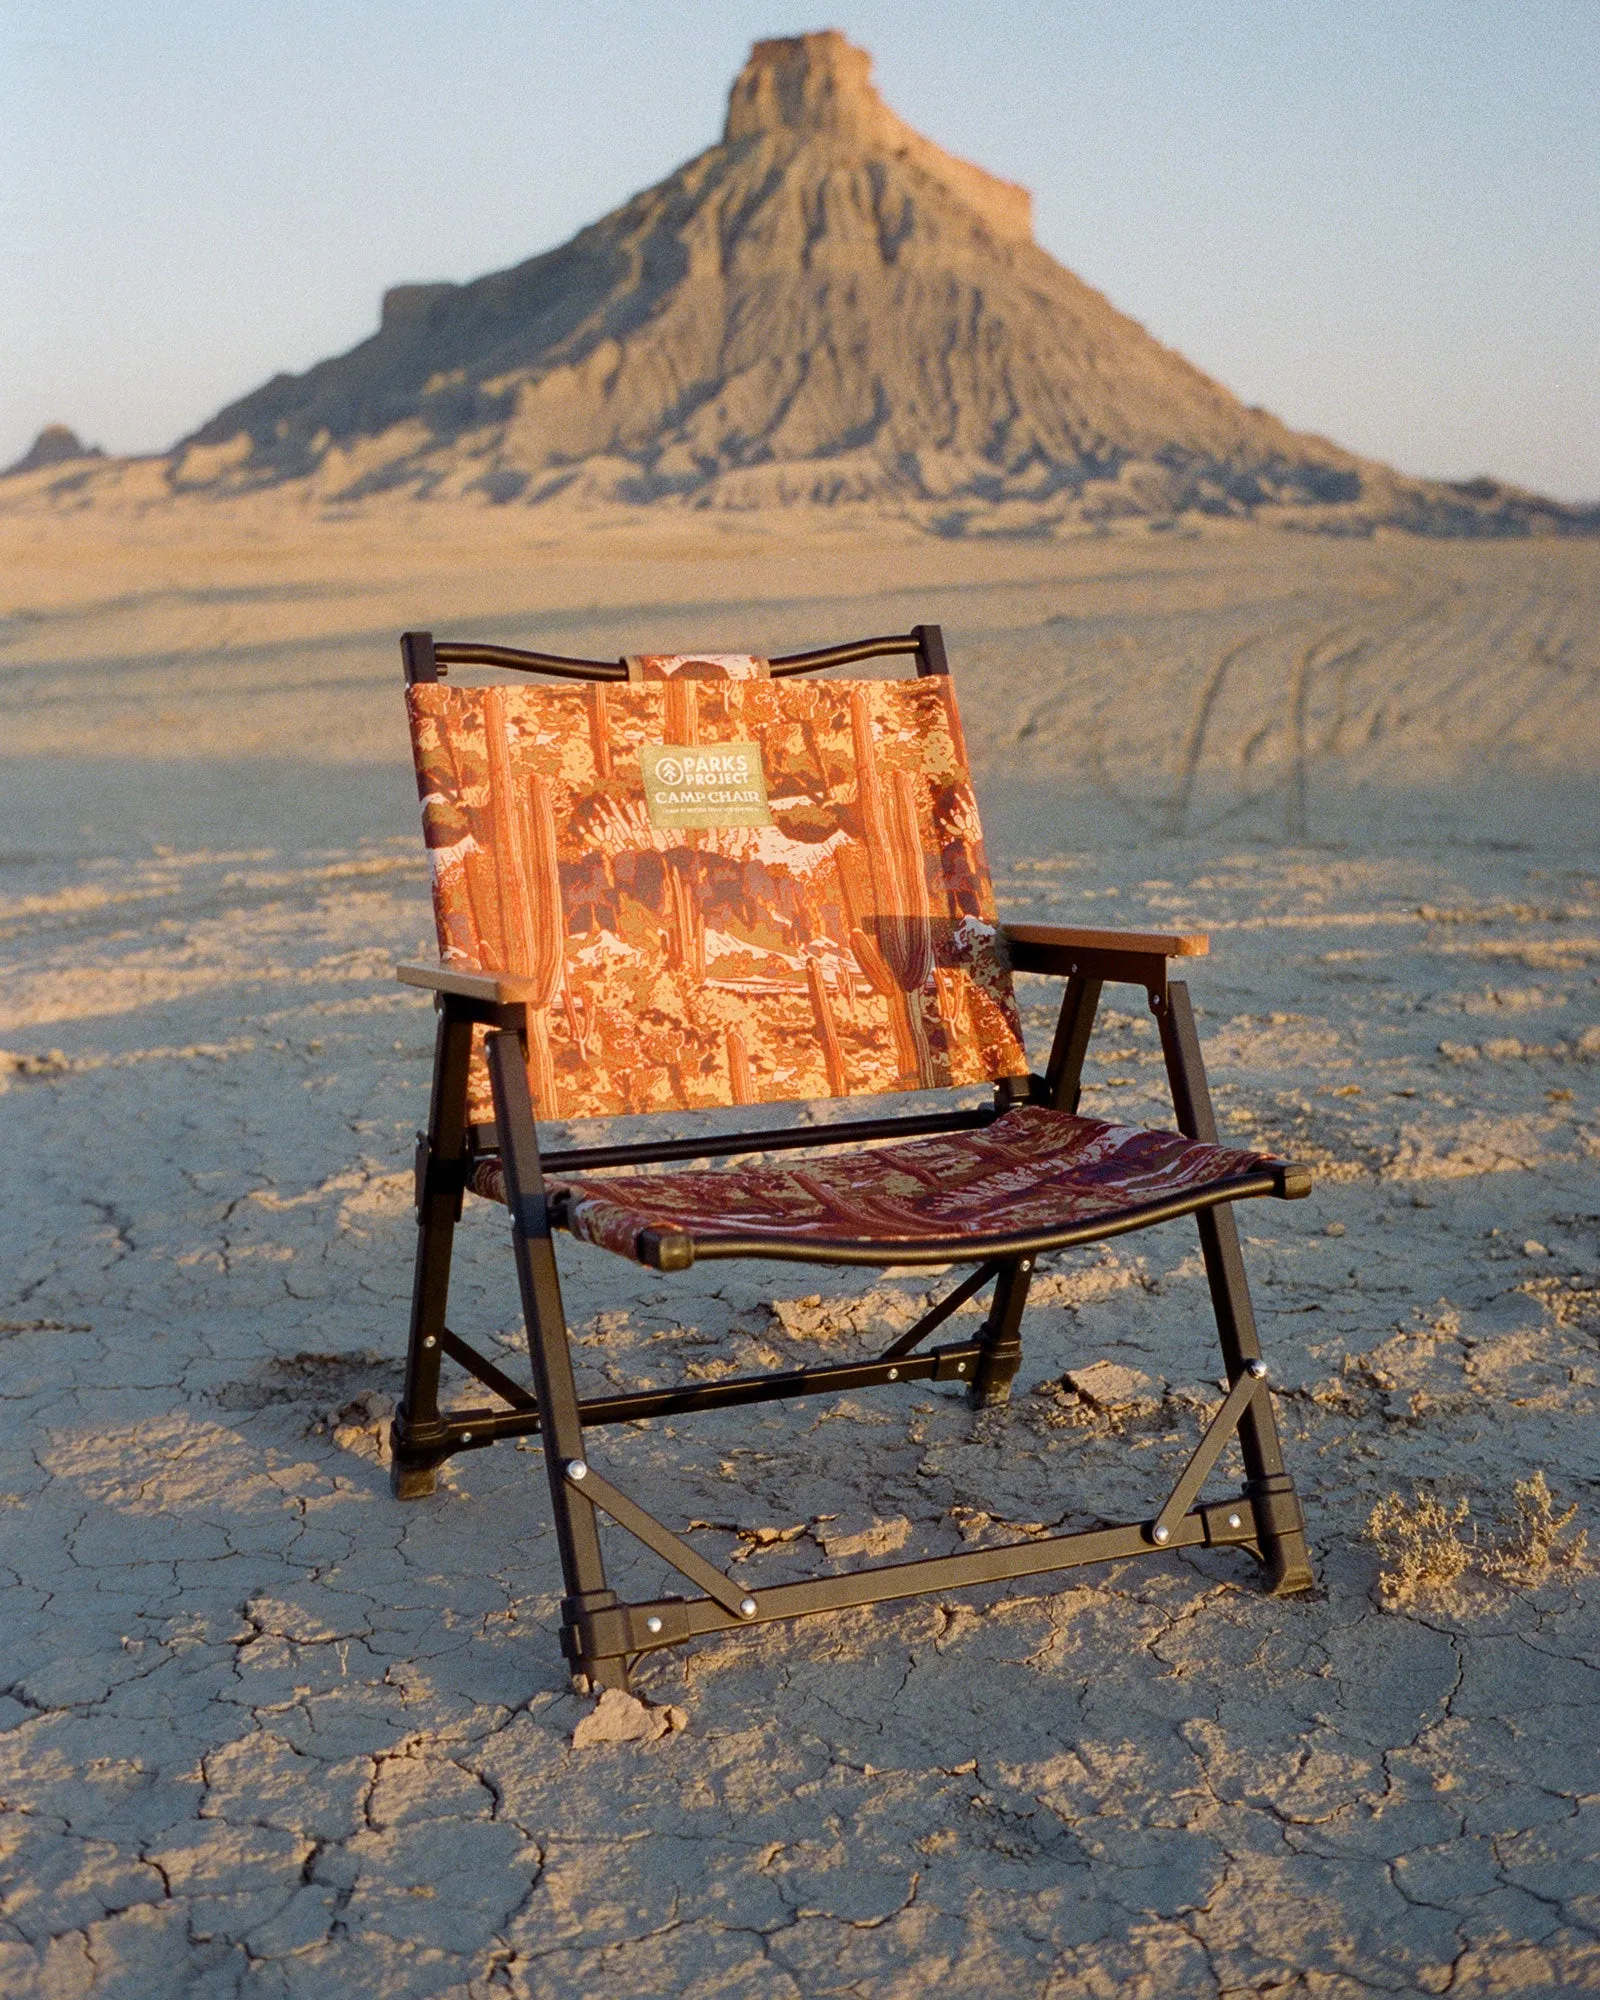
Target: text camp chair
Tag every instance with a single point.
(686, 883)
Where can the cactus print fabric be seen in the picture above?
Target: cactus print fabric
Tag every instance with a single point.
(849, 947)
(1031, 1170)
(697, 666)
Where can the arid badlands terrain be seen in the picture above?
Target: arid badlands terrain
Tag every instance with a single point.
(266, 1731)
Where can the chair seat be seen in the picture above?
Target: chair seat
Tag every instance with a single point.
(1035, 1179)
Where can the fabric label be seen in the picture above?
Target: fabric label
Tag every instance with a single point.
(704, 784)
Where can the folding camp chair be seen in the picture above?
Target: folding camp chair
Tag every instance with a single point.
(692, 883)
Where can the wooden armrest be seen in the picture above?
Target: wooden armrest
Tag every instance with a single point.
(1138, 958)
(492, 989)
(1155, 944)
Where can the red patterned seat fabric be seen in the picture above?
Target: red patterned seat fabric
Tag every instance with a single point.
(1031, 1172)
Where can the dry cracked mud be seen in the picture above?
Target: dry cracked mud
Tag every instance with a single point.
(264, 1731)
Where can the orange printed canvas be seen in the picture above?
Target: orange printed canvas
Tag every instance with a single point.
(723, 890)
(697, 666)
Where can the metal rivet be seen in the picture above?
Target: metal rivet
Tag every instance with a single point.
(430, 1341)
(576, 1469)
(747, 1607)
(1255, 1368)
(652, 1623)
(1235, 1521)
(961, 1368)
(466, 1437)
(1161, 1533)
(1027, 1263)
(894, 1374)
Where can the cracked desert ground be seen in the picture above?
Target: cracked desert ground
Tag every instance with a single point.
(267, 1732)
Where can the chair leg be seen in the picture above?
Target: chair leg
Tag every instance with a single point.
(1268, 1485)
(1000, 1351)
(549, 1347)
(1064, 1073)
(417, 1427)
(413, 1472)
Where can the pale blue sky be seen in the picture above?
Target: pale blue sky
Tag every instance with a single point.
(1379, 218)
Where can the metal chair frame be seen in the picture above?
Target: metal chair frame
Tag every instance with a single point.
(601, 1634)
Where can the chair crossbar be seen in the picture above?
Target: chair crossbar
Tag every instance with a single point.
(847, 1132)
(845, 656)
(628, 1630)
(923, 641)
(462, 1430)
(451, 654)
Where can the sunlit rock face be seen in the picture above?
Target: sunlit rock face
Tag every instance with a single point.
(819, 88)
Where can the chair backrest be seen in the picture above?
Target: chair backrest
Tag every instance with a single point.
(721, 886)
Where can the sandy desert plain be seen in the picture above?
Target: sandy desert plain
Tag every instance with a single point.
(267, 1732)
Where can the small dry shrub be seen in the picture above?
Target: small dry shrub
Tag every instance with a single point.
(1424, 1545)
(1420, 1544)
(1538, 1538)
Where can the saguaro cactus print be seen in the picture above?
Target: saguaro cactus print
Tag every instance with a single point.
(686, 923)
(895, 947)
(528, 875)
(741, 1085)
(827, 1036)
